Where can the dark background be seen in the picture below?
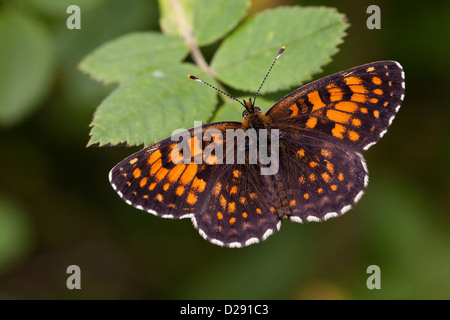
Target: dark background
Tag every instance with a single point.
(58, 209)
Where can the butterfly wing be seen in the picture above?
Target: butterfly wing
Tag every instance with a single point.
(324, 127)
(224, 201)
(321, 180)
(352, 108)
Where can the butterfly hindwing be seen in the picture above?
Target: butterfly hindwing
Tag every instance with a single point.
(322, 180)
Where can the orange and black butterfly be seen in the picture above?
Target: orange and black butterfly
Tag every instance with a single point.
(323, 128)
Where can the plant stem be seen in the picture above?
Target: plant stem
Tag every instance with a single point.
(186, 33)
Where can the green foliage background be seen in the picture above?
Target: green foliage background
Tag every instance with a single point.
(58, 209)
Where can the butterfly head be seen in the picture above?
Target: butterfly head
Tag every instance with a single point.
(250, 108)
(253, 117)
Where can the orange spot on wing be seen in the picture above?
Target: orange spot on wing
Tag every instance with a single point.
(152, 186)
(294, 109)
(336, 94)
(199, 184)
(338, 131)
(326, 177)
(133, 161)
(333, 187)
(219, 215)
(231, 207)
(166, 186)
(154, 156)
(191, 198)
(376, 114)
(161, 174)
(175, 173)
(341, 176)
(179, 191)
(373, 100)
(159, 197)
(217, 189)
(326, 153)
(155, 166)
(292, 203)
(137, 173)
(306, 196)
(316, 101)
(236, 173)
(363, 110)
(330, 167)
(337, 116)
(311, 123)
(376, 81)
(223, 201)
(258, 210)
(378, 92)
(356, 122)
(312, 177)
(244, 215)
(313, 164)
(353, 81)
(232, 220)
(370, 69)
(353, 135)
(252, 196)
(143, 182)
(301, 152)
(233, 189)
(320, 191)
(189, 173)
(358, 97)
(346, 106)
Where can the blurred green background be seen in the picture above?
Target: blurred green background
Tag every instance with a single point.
(57, 207)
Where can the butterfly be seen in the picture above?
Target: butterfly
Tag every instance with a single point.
(323, 128)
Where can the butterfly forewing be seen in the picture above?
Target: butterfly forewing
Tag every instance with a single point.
(352, 108)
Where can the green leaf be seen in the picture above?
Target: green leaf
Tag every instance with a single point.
(25, 64)
(311, 36)
(232, 111)
(212, 22)
(125, 56)
(208, 20)
(147, 108)
(14, 234)
(169, 21)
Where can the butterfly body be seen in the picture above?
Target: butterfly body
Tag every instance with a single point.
(321, 131)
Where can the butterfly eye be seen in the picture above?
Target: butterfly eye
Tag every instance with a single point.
(244, 113)
(257, 109)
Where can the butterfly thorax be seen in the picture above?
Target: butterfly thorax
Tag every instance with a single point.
(253, 117)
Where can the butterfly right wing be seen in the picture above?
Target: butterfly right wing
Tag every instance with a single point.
(352, 108)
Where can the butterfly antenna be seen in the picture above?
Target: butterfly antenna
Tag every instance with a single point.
(190, 76)
(270, 69)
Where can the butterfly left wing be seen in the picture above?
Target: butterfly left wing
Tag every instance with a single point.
(226, 202)
(352, 108)
(157, 179)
